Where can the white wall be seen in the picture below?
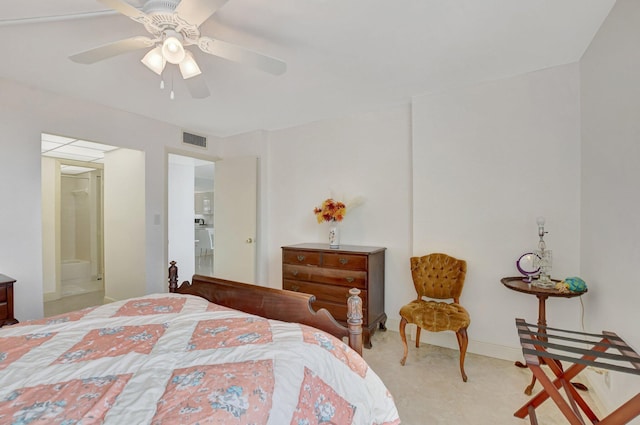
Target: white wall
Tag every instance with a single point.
(365, 155)
(473, 208)
(124, 213)
(489, 159)
(50, 228)
(610, 205)
(26, 113)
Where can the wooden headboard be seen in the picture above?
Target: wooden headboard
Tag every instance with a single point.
(271, 303)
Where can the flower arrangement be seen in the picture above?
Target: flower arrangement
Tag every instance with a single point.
(330, 210)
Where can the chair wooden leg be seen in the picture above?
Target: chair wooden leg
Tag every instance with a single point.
(418, 337)
(463, 341)
(403, 335)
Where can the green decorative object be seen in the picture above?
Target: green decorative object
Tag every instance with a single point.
(575, 284)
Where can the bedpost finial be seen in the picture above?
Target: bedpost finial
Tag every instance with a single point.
(354, 306)
(354, 320)
(173, 276)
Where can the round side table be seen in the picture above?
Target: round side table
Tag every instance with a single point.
(518, 284)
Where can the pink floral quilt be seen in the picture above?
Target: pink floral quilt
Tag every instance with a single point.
(178, 359)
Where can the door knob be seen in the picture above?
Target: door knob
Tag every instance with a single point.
(249, 240)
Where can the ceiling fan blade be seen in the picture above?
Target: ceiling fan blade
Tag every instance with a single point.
(112, 49)
(125, 9)
(196, 12)
(241, 55)
(197, 86)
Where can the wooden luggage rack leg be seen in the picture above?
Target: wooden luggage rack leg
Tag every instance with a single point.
(551, 352)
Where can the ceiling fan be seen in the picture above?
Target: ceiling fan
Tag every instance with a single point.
(174, 25)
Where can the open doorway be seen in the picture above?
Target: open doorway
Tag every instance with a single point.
(81, 242)
(212, 216)
(72, 204)
(190, 214)
(93, 231)
(203, 218)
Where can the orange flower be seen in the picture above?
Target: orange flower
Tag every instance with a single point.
(330, 210)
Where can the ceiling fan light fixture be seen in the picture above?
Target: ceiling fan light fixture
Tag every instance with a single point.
(154, 60)
(172, 48)
(188, 67)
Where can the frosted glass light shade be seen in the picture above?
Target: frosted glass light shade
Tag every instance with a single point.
(154, 60)
(188, 67)
(173, 50)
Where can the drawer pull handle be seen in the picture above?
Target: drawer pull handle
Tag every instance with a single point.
(295, 288)
(343, 261)
(300, 257)
(295, 272)
(349, 279)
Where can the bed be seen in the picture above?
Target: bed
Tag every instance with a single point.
(176, 358)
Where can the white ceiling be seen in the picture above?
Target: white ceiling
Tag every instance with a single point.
(343, 56)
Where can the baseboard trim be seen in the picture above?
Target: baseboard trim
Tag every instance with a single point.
(51, 296)
(595, 381)
(108, 300)
(448, 340)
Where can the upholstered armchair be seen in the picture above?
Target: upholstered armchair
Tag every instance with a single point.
(440, 277)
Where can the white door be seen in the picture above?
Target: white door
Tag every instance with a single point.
(234, 218)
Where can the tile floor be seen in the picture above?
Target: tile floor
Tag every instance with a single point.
(73, 302)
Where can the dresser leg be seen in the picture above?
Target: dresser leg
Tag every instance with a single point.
(367, 343)
(383, 324)
(366, 338)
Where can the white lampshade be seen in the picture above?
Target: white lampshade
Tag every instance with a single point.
(188, 67)
(172, 48)
(154, 60)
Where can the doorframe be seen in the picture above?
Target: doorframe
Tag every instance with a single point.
(182, 152)
(57, 249)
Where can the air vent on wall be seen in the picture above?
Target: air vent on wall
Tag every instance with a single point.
(195, 140)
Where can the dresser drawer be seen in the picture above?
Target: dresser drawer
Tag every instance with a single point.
(301, 257)
(348, 278)
(3, 293)
(345, 261)
(292, 271)
(336, 294)
(338, 311)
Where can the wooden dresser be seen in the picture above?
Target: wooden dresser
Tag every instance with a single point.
(329, 274)
(6, 301)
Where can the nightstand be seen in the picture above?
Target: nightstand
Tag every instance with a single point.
(6, 301)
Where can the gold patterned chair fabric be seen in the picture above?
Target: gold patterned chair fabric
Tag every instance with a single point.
(440, 277)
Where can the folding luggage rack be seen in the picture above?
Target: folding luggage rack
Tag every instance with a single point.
(544, 345)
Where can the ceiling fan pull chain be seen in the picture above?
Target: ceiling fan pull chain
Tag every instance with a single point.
(172, 95)
(162, 79)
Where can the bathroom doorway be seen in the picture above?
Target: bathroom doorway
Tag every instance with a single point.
(73, 217)
(81, 243)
